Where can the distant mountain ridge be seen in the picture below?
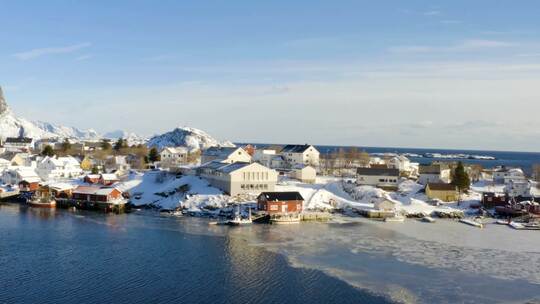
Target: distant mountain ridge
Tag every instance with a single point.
(191, 138)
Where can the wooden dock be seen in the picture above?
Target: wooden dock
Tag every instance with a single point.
(4, 196)
(93, 206)
(315, 217)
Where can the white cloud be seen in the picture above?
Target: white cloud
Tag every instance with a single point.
(36, 53)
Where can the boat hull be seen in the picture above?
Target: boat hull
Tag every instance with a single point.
(51, 204)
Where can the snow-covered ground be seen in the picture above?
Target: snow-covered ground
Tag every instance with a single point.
(168, 191)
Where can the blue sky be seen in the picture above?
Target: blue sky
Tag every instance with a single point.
(448, 74)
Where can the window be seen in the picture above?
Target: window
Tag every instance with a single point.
(274, 207)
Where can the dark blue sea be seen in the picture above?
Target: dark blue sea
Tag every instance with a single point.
(58, 256)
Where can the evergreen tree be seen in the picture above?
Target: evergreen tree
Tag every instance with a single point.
(460, 178)
(47, 151)
(153, 155)
(66, 145)
(95, 170)
(120, 144)
(105, 144)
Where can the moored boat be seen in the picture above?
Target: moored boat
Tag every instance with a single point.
(427, 219)
(42, 202)
(472, 222)
(395, 219)
(285, 219)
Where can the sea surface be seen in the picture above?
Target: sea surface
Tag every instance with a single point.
(61, 256)
(58, 256)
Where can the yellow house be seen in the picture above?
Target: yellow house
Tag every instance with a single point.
(444, 192)
(86, 164)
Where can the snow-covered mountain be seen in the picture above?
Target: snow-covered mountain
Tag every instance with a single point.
(132, 138)
(191, 138)
(13, 126)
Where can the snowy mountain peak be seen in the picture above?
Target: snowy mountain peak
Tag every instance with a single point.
(4, 108)
(13, 126)
(191, 138)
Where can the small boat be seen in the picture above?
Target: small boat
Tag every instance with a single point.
(471, 222)
(239, 221)
(502, 222)
(42, 202)
(517, 226)
(531, 226)
(427, 219)
(395, 219)
(285, 219)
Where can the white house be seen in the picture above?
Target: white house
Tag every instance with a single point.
(117, 163)
(403, 164)
(174, 157)
(14, 144)
(61, 167)
(434, 174)
(300, 155)
(305, 174)
(239, 178)
(225, 155)
(384, 178)
(4, 164)
(15, 175)
(264, 157)
(515, 188)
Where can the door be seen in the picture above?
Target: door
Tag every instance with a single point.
(284, 209)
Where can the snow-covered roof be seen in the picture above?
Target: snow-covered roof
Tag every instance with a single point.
(175, 150)
(233, 167)
(220, 152)
(295, 148)
(108, 176)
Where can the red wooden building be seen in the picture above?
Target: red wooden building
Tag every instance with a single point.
(96, 194)
(92, 178)
(280, 202)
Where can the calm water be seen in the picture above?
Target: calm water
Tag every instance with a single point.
(57, 256)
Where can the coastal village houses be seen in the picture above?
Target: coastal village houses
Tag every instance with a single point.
(435, 173)
(58, 167)
(384, 178)
(239, 178)
(280, 202)
(264, 157)
(174, 157)
(18, 144)
(304, 173)
(442, 191)
(294, 155)
(25, 177)
(225, 155)
(504, 175)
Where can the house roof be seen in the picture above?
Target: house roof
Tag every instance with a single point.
(441, 187)
(94, 190)
(85, 190)
(233, 167)
(430, 169)
(175, 150)
(220, 152)
(377, 172)
(19, 140)
(282, 196)
(109, 177)
(295, 148)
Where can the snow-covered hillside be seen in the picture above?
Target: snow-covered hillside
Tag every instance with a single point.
(191, 138)
(13, 126)
(132, 138)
